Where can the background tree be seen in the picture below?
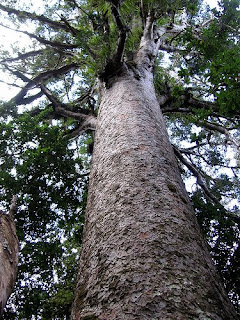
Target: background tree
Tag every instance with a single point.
(47, 127)
(9, 250)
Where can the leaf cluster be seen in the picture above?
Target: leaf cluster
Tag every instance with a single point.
(38, 165)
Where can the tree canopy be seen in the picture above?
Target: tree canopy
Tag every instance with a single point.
(47, 129)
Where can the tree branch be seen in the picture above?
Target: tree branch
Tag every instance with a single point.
(142, 12)
(197, 174)
(23, 56)
(170, 48)
(123, 30)
(30, 99)
(185, 103)
(18, 99)
(73, 31)
(10, 84)
(148, 29)
(17, 73)
(87, 121)
(219, 128)
(33, 16)
(54, 44)
(88, 125)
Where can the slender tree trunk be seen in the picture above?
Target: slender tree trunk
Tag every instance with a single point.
(142, 256)
(9, 249)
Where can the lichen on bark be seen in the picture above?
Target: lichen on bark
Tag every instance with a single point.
(143, 256)
(9, 249)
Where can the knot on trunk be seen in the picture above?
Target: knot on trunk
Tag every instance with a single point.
(112, 70)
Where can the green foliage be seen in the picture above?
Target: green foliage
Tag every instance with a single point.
(49, 173)
(222, 230)
(218, 60)
(38, 165)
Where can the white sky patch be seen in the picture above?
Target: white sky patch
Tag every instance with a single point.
(213, 3)
(7, 39)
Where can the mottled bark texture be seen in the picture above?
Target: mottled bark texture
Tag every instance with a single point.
(9, 249)
(142, 256)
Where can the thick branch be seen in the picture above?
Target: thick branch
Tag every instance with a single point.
(59, 107)
(142, 12)
(219, 128)
(33, 16)
(70, 114)
(148, 29)
(200, 104)
(23, 56)
(17, 73)
(116, 14)
(185, 103)
(118, 56)
(30, 99)
(115, 64)
(197, 174)
(169, 48)
(18, 99)
(53, 44)
(88, 125)
(87, 122)
(123, 30)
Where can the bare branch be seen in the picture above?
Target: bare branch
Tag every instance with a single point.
(54, 44)
(200, 104)
(221, 129)
(170, 48)
(186, 103)
(117, 17)
(73, 31)
(123, 30)
(205, 24)
(197, 174)
(17, 73)
(88, 125)
(142, 12)
(30, 99)
(33, 16)
(50, 96)
(148, 29)
(10, 84)
(23, 56)
(87, 121)
(18, 99)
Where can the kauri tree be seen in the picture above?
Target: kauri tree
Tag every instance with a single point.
(99, 82)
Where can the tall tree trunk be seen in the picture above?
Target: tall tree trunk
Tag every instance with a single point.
(9, 249)
(143, 256)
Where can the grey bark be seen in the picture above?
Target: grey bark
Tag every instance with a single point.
(9, 249)
(143, 256)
